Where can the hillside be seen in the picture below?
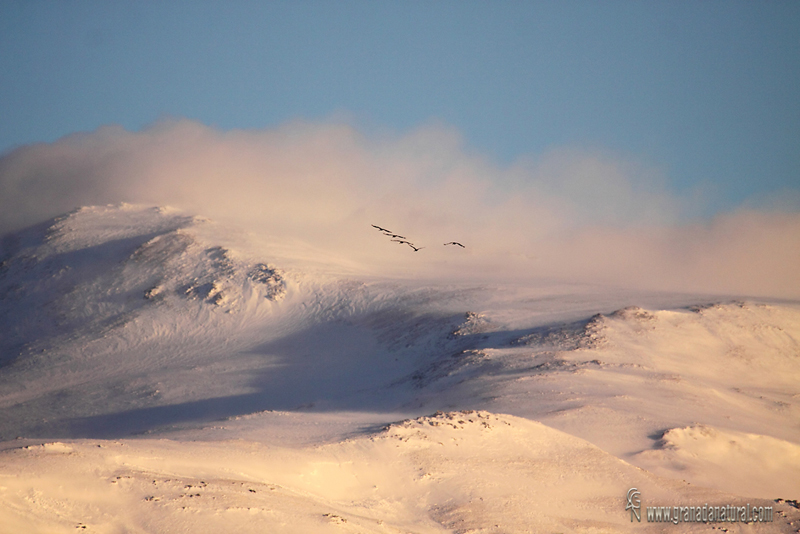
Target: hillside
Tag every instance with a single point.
(146, 353)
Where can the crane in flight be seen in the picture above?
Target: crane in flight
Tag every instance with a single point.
(403, 240)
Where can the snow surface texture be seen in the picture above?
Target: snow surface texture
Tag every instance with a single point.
(161, 373)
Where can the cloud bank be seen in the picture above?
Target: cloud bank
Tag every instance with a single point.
(569, 214)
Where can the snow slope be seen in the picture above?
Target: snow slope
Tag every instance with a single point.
(184, 357)
(462, 472)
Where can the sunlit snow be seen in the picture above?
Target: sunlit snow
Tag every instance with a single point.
(160, 372)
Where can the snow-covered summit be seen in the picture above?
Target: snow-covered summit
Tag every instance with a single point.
(98, 267)
(129, 320)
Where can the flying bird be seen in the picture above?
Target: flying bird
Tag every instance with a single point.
(409, 243)
(455, 243)
(398, 238)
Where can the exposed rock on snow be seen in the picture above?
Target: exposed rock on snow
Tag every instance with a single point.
(474, 323)
(272, 278)
(569, 337)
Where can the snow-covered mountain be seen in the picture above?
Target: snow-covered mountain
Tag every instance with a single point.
(274, 380)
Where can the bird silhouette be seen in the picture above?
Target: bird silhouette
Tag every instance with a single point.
(398, 238)
(455, 243)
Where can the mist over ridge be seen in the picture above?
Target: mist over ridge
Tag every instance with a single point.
(573, 214)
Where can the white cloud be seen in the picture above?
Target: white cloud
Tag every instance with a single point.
(578, 214)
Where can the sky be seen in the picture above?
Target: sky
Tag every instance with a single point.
(674, 125)
(708, 92)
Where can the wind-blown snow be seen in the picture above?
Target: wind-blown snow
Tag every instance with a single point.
(569, 215)
(163, 371)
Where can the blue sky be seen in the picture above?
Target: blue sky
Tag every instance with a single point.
(707, 92)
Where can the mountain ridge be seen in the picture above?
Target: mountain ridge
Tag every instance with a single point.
(140, 323)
